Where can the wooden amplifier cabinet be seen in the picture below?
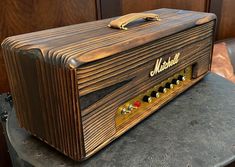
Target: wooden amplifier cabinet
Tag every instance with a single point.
(79, 87)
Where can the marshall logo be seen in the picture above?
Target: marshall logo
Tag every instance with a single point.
(161, 66)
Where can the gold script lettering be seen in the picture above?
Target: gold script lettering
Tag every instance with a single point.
(159, 66)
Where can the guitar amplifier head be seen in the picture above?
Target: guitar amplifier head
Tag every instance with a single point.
(79, 87)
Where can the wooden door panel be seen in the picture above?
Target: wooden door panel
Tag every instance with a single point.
(129, 6)
(226, 25)
(23, 16)
(121, 7)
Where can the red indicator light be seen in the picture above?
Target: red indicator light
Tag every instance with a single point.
(137, 104)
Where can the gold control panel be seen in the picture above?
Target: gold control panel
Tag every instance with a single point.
(153, 98)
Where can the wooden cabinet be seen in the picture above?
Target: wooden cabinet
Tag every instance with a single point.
(22, 16)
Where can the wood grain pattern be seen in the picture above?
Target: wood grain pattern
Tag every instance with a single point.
(49, 71)
(100, 114)
(23, 16)
(100, 73)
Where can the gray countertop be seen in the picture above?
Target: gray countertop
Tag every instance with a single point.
(195, 129)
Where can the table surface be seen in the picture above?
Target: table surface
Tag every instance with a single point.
(195, 129)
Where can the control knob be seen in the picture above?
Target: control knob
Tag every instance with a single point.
(181, 78)
(162, 89)
(155, 94)
(147, 99)
(176, 81)
(169, 85)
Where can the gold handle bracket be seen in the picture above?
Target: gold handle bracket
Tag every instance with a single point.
(121, 22)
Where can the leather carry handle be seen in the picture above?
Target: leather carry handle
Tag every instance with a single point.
(122, 21)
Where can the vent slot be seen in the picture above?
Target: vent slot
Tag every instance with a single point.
(91, 98)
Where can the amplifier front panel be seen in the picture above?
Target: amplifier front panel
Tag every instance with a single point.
(144, 104)
(108, 84)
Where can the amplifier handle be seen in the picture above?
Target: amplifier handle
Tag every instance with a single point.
(122, 21)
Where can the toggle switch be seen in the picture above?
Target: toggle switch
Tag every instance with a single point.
(124, 111)
(131, 107)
